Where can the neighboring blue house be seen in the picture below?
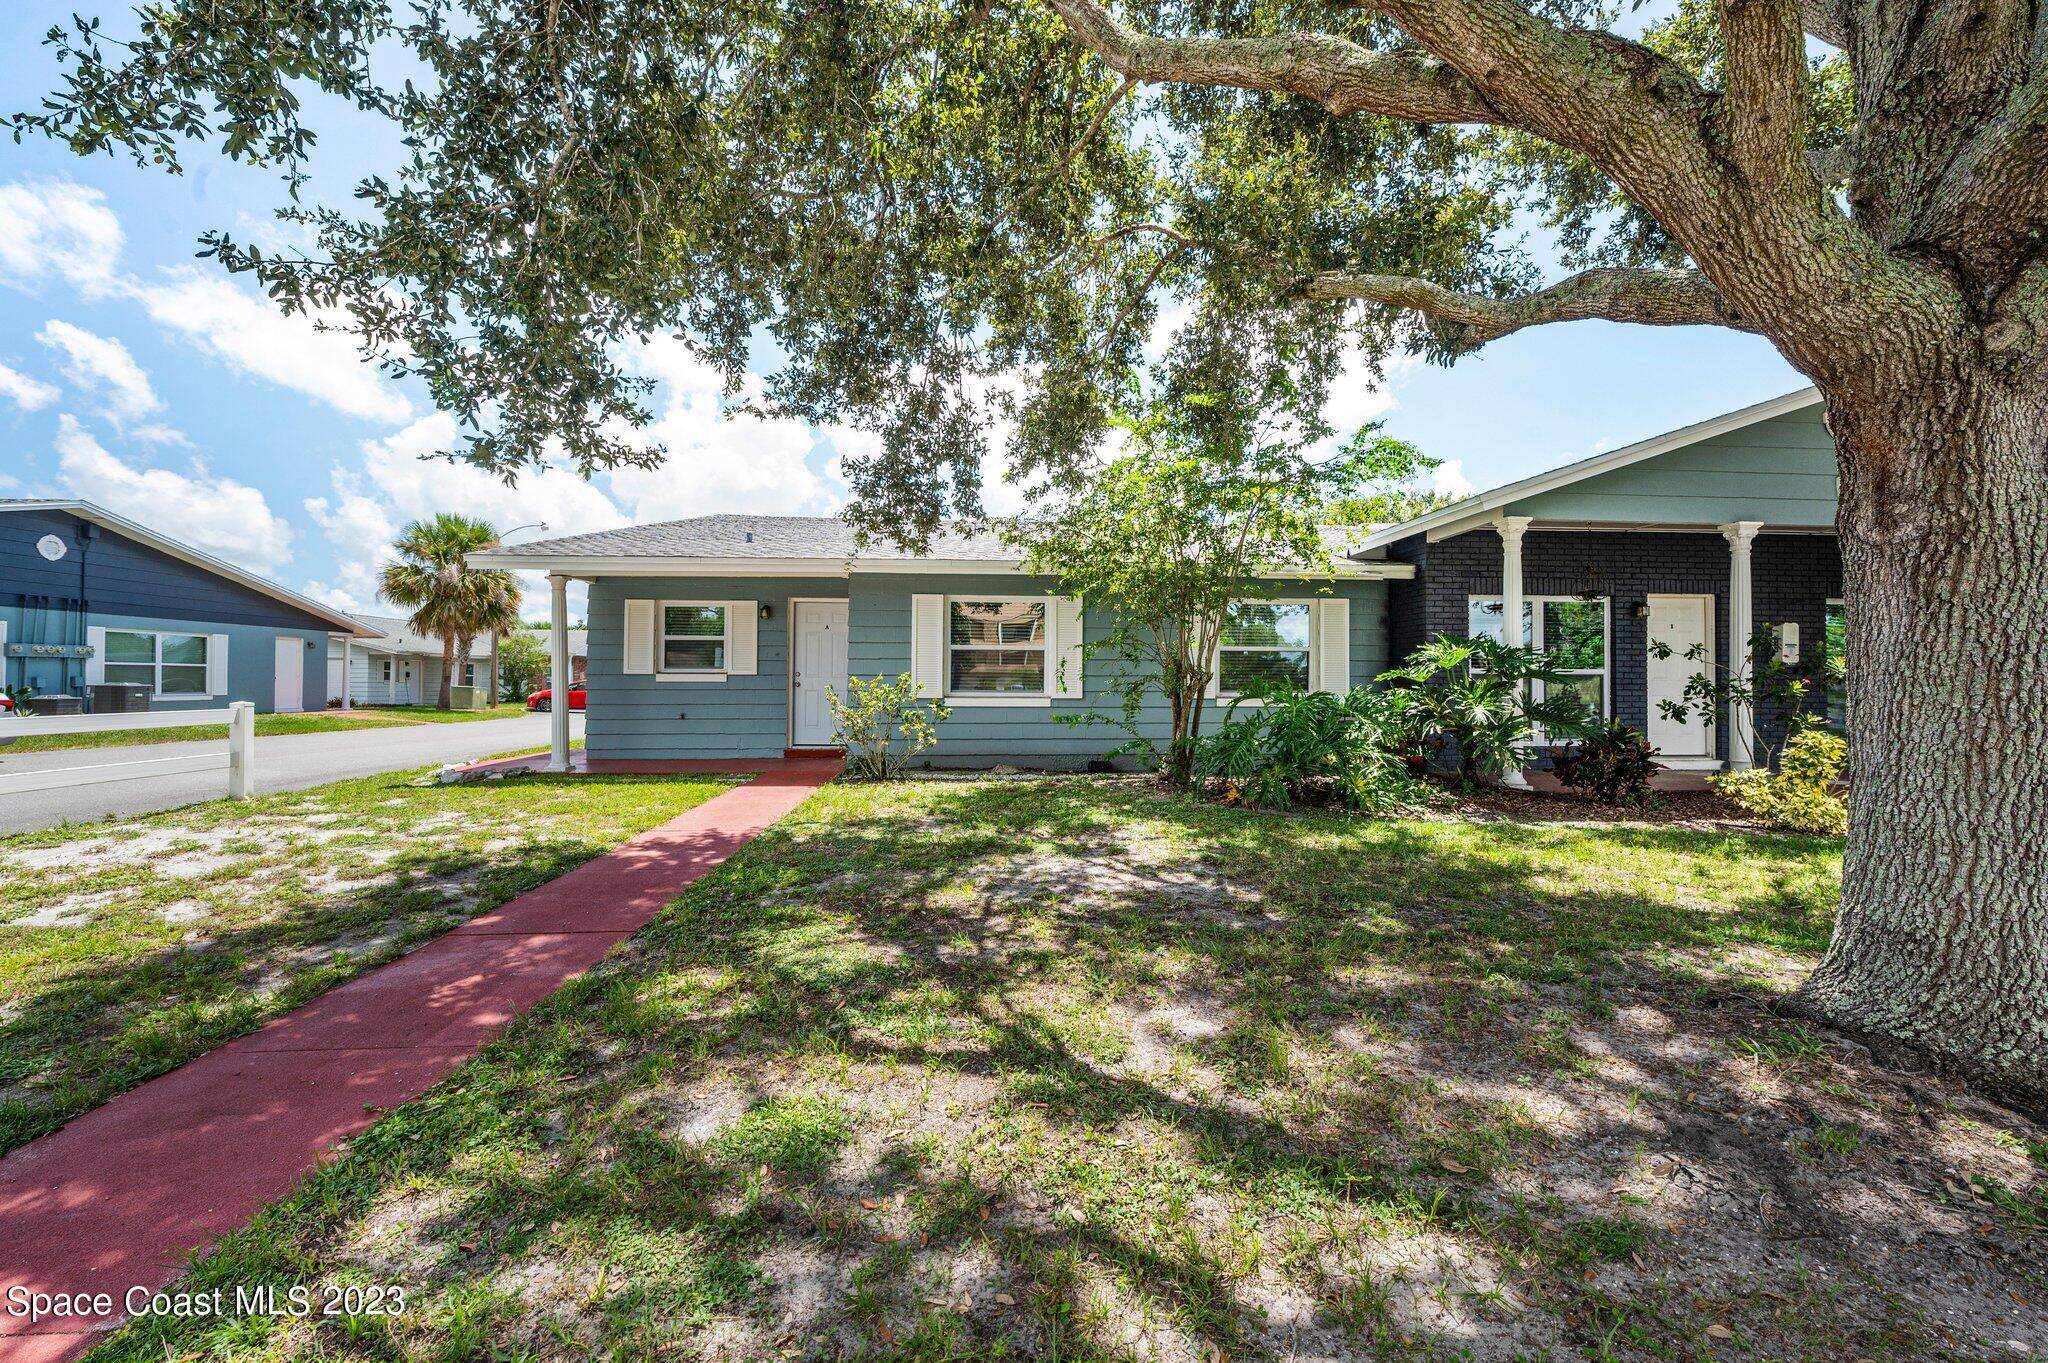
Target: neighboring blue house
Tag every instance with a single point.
(87, 596)
(716, 637)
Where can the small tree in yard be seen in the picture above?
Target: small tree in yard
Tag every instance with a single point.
(883, 725)
(926, 201)
(1214, 492)
(522, 665)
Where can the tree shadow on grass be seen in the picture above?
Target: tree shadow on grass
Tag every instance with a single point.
(1411, 1036)
(117, 1018)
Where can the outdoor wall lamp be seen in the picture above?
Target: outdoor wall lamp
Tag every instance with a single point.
(1642, 610)
(767, 611)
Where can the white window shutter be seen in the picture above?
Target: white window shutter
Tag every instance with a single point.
(96, 665)
(1333, 645)
(928, 643)
(1215, 687)
(217, 664)
(742, 638)
(639, 648)
(1063, 644)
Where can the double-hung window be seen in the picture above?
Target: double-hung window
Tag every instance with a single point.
(168, 664)
(1264, 646)
(693, 636)
(1571, 627)
(995, 647)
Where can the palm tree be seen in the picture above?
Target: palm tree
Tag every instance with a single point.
(449, 598)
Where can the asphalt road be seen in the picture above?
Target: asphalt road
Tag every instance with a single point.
(287, 762)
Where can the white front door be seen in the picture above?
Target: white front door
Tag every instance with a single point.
(289, 694)
(820, 654)
(1682, 623)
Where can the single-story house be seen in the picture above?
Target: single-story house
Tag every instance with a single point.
(716, 637)
(88, 597)
(398, 665)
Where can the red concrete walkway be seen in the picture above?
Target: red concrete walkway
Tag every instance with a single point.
(121, 1196)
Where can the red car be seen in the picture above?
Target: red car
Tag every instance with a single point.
(544, 699)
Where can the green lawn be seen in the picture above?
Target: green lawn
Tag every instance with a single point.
(128, 948)
(364, 717)
(1065, 1070)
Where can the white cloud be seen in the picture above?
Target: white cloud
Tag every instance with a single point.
(54, 227)
(717, 463)
(247, 332)
(395, 484)
(1449, 477)
(102, 365)
(29, 394)
(51, 228)
(228, 519)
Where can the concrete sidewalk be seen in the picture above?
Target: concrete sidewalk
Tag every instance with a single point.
(123, 1195)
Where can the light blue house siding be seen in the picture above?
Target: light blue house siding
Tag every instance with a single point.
(647, 716)
(1780, 471)
(748, 716)
(252, 659)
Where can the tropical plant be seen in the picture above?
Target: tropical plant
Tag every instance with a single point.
(1613, 764)
(1774, 690)
(449, 599)
(1216, 490)
(19, 696)
(1293, 747)
(1804, 794)
(522, 665)
(884, 724)
(1481, 703)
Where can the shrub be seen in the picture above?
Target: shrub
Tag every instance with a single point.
(1478, 697)
(1803, 794)
(1613, 764)
(883, 725)
(1311, 747)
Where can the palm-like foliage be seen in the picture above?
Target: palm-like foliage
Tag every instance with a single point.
(450, 599)
(1298, 745)
(1479, 697)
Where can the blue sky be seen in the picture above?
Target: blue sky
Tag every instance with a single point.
(135, 376)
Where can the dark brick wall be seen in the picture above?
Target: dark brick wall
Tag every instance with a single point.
(1406, 605)
(1792, 578)
(1625, 567)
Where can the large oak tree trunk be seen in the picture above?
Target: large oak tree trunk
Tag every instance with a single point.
(1942, 940)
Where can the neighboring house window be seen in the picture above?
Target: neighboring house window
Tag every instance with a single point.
(387, 671)
(469, 674)
(1264, 647)
(692, 637)
(995, 647)
(1571, 627)
(168, 664)
(1835, 635)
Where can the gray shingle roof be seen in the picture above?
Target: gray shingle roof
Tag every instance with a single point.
(748, 537)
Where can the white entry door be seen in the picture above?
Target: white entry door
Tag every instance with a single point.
(820, 653)
(1682, 623)
(290, 692)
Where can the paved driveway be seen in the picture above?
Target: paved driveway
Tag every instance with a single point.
(287, 762)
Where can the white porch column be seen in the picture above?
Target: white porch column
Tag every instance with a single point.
(348, 644)
(1513, 632)
(1741, 664)
(558, 667)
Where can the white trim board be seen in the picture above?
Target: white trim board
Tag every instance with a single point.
(591, 567)
(1477, 510)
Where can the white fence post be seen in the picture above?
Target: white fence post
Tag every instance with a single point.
(241, 750)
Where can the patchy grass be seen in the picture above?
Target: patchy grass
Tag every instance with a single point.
(127, 948)
(1068, 1070)
(267, 726)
